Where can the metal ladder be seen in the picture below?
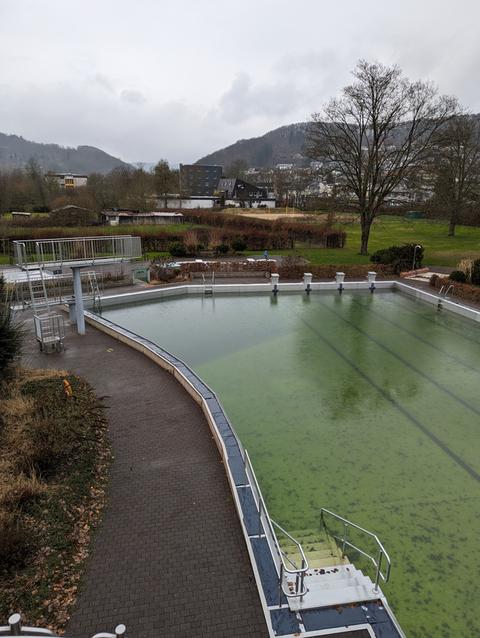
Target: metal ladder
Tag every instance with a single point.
(38, 291)
(208, 289)
(443, 294)
(94, 290)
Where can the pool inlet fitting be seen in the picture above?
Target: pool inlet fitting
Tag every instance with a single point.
(274, 281)
(340, 278)
(307, 281)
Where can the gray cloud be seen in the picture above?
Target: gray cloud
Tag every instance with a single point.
(132, 96)
(244, 100)
(179, 80)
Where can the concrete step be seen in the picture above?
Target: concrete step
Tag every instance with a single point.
(320, 550)
(336, 585)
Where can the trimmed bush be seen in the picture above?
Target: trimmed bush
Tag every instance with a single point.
(476, 273)
(239, 245)
(399, 257)
(177, 249)
(458, 275)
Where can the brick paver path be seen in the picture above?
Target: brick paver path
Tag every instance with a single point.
(169, 559)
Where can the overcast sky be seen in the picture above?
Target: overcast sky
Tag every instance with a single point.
(176, 79)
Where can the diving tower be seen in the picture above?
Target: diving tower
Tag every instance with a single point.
(43, 261)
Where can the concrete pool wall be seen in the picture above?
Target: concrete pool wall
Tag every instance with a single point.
(196, 289)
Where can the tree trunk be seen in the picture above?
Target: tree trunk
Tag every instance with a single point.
(365, 223)
(453, 223)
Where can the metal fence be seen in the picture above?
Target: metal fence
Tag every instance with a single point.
(76, 251)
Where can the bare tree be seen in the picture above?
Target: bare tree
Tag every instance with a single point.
(456, 166)
(165, 180)
(377, 134)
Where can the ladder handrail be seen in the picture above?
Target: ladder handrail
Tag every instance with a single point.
(382, 551)
(287, 565)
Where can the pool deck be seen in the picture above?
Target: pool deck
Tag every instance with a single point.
(169, 558)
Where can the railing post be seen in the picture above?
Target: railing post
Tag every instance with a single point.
(379, 567)
(302, 578)
(345, 532)
(280, 584)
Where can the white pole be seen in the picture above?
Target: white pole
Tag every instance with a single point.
(77, 291)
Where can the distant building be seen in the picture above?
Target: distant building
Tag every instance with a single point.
(235, 188)
(16, 214)
(199, 179)
(199, 201)
(284, 167)
(118, 217)
(69, 180)
(237, 192)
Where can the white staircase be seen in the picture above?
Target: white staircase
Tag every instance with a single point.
(331, 579)
(335, 585)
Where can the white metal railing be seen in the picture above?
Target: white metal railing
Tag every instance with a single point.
(15, 628)
(76, 250)
(284, 564)
(344, 542)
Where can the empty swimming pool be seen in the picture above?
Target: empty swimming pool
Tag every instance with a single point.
(365, 404)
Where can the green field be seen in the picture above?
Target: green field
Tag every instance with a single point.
(440, 250)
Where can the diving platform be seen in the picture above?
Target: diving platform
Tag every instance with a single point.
(76, 252)
(44, 259)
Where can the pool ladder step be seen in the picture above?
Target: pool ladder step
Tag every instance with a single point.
(208, 288)
(320, 549)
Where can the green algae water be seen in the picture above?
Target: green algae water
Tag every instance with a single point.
(365, 404)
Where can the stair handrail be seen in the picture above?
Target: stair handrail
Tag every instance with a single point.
(287, 566)
(382, 554)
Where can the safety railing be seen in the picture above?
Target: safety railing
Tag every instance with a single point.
(443, 294)
(344, 542)
(15, 628)
(76, 250)
(286, 567)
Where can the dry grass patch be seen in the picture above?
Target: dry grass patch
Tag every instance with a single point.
(53, 472)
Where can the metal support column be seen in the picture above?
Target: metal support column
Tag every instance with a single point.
(77, 291)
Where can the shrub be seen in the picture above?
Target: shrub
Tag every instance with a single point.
(13, 538)
(191, 241)
(476, 272)
(399, 257)
(458, 275)
(239, 245)
(466, 266)
(223, 249)
(10, 334)
(177, 249)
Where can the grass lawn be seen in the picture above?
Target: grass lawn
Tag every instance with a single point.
(440, 250)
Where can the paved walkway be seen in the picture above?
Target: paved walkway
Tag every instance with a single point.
(169, 558)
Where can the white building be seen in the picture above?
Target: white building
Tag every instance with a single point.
(69, 180)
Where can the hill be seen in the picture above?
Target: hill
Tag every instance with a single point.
(283, 145)
(16, 151)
